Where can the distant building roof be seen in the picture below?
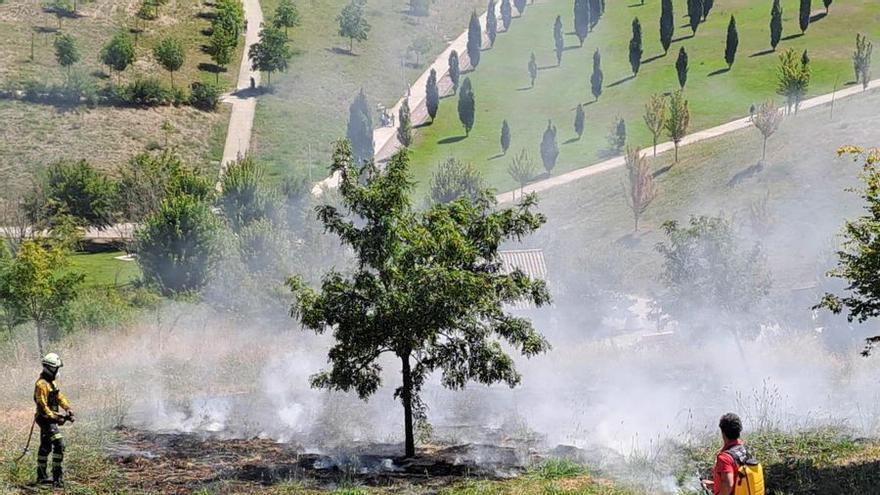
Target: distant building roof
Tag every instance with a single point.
(528, 261)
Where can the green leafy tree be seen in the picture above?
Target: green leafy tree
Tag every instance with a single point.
(74, 189)
(617, 135)
(221, 48)
(793, 78)
(432, 95)
(474, 40)
(667, 25)
(505, 137)
(579, 118)
(37, 284)
(655, 117)
(454, 180)
(558, 40)
(360, 128)
(635, 47)
(170, 54)
(353, 24)
(66, 51)
(640, 187)
(767, 119)
(179, 246)
(432, 312)
(491, 23)
(118, 53)
(597, 78)
(549, 147)
(147, 179)
(678, 119)
(862, 59)
(732, 43)
(581, 19)
(404, 124)
(533, 69)
(506, 14)
(454, 70)
(775, 24)
(806, 9)
(245, 197)
(229, 17)
(420, 7)
(286, 15)
(695, 14)
(681, 67)
(420, 46)
(466, 106)
(522, 169)
(271, 53)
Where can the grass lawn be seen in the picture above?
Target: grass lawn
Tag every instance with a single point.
(804, 186)
(501, 83)
(103, 269)
(309, 106)
(41, 134)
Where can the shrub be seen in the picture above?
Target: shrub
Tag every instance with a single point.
(204, 96)
(145, 92)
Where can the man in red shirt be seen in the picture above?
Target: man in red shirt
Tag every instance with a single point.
(724, 472)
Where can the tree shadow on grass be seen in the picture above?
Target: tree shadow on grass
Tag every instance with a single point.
(762, 53)
(651, 59)
(634, 5)
(495, 157)
(571, 47)
(212, 68)
(621, 81)
(818, 17)
(662, 170)
(572, 140)
(719, 72)
(426, 123)
(745, 174)
(545, 67)
(682, 38)
(792, 36)
(341, 51)
(451, 139)
(525, 88)
(588, 103)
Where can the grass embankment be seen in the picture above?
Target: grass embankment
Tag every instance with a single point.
(309, 105)
(104, 135)
(801, 192)
(501, 83)
(104, 269)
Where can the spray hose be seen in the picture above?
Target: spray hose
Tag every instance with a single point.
(27, 445)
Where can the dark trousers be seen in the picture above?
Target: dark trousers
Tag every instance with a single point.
(51, 442)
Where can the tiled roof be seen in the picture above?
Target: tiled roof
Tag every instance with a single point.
(530, 262)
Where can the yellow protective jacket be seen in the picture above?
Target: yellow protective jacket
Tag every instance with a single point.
(48, 399)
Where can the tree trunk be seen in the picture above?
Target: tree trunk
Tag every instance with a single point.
(172, 78)
(676, 151)
(636, 217)
(40, 337)
(351, 45)
(764, 150)
(406, 398)
(655, 146)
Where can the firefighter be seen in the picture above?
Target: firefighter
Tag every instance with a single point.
(50, 401)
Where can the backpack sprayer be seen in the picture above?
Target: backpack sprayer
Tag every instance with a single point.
(702, 485)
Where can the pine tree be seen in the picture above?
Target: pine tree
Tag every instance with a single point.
(549, 147)
(667, 25)
(454, 70)
(732, 43)
(804, 15)
(360, 128)
(404, 124)
(681, 66)
(506, 14)
(505, 137)
(466, 106)
(581, 19)
(432, 95)
(475, 40)
(533, 69)
(558, 40)
(635, 46)
(695, 14)
(775, 24)
(579, 118)
(491, 23)
(597, 78)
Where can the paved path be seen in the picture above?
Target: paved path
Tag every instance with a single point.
(696, 137)
(243, 99)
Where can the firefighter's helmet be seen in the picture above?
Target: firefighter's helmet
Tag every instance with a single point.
(52, 360)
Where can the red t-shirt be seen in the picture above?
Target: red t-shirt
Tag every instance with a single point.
(724, 463)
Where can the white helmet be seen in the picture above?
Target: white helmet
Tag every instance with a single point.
(52, 360)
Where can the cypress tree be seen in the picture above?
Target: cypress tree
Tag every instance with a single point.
(432, 95)
(491, 23)
(804, 17)
(579, 118)
(505, 136)
(549, 147)
(827, 4)
(595, 12)
(466, 106)
(732, 43)
(404, 127)
(707, 6)
(635, 47)
(520, 6)
(695, 14)
(558, 40)
(667, 25)
(597, 77)
(360, 128)
(506, 14)
(775, 24)
(581, 19)
(681, 66)
(475, 40)
(454, 70)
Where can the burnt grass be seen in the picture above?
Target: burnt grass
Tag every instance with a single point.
(186, 462)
